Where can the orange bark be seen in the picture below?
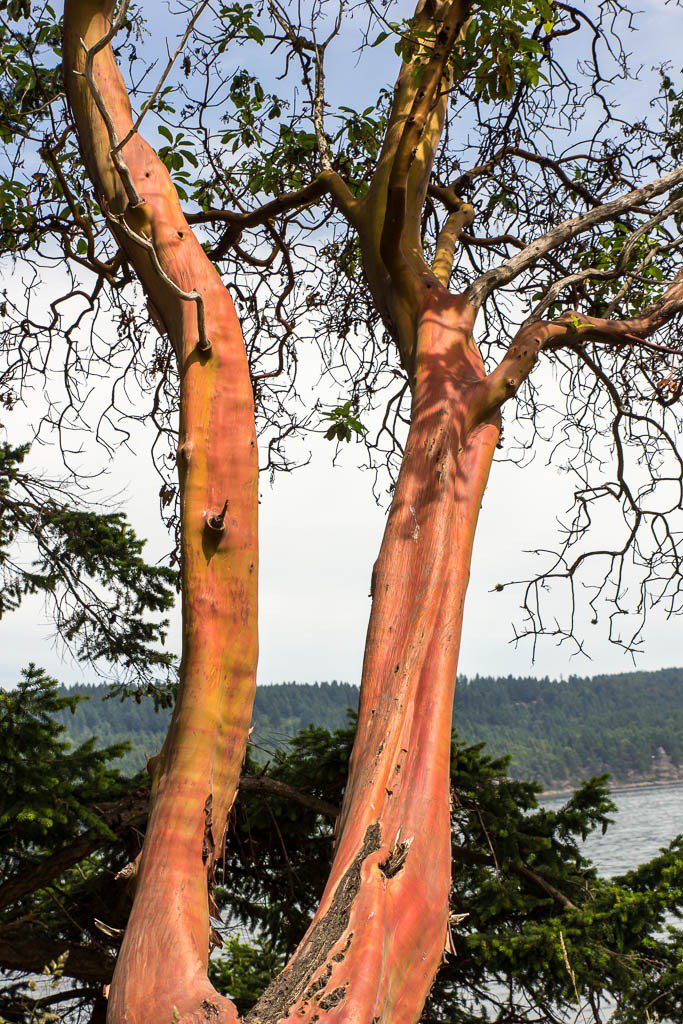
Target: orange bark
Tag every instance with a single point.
(161, 970)
(378, 936)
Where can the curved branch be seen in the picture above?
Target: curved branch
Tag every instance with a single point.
(131, 813)
(572, 330)
(424, 101)
(327, 183)
(23, 950)
(609, 274)
(448, 237)
(480, 289)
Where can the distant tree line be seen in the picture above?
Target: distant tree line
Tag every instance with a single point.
(556, 732)
(563, 731)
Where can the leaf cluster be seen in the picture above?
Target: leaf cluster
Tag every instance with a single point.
(344, 422)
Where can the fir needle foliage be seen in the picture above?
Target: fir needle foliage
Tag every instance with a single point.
(48, 787)
(104, 600)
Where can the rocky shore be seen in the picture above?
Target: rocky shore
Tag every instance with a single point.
(662, 773)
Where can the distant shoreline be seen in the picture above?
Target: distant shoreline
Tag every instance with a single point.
(618, 787)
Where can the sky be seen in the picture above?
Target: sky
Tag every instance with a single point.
(320, 533)
(320, 530)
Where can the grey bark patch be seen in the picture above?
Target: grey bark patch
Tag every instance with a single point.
(335, 996)
(295, 981)
(208, 843)
(318, 984)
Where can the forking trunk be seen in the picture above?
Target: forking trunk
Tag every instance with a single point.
(378, 936)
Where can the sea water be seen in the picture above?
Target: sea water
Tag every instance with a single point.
(646, 820)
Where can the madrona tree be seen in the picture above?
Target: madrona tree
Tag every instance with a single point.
(488, 237)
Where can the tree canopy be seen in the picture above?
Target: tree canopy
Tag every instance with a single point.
(534, 206)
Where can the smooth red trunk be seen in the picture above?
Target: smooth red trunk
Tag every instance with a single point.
(161, 969)
(379, 934)
(160, 975)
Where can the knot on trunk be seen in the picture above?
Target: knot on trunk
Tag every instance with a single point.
(217, 522)
(397, 856)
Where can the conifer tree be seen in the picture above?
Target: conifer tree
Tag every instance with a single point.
(538, 934)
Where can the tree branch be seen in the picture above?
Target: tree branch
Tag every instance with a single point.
(572, 330)
(479, 291)
(596, 273)
(273, 787)
(90, 52)
(25, 951)
(158, 87)
(203, 343)
(549, 163)
(473, 857)
(425, 98)
(299, 44)
(131, 813)
(451, 231)
(328, 182)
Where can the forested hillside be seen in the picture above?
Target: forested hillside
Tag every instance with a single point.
(557, 732)
(279, 713)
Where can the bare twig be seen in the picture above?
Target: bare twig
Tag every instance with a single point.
(91, 52)
(146, 106)
(203, 343)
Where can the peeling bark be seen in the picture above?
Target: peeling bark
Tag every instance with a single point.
(399, 782)
(305, 980)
